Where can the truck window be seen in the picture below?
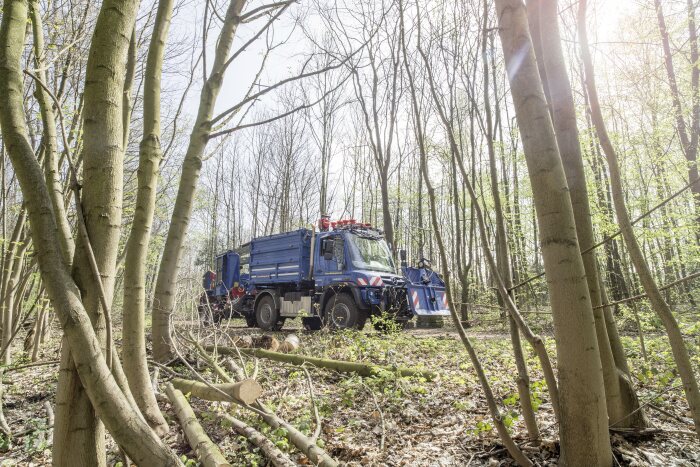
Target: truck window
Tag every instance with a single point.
(370, 253)
(220, 267)
(339, 252)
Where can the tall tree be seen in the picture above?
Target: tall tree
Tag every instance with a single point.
(150, 155)
(621, 400)
(165, 293)
(688, 132)
(583, 416)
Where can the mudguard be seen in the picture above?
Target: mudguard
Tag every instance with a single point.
(426, 292)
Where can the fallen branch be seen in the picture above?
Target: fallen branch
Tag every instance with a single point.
(31, 365)
(362, 369)
(235, 368)
(268, 448)
(315, 454)
(245, 392)
(302, 442)
(207, 452)
(317, 417)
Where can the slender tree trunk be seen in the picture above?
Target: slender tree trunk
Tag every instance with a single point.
(79, 435)
(10, 264)
(661, 308)
(583, 419)
(48, 119)
(150, 155)
(164, 298)
(502, 254)
(619, 393)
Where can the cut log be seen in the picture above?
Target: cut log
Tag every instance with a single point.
(206, 451)
(268, 342)
(289, 344)
(245, 392)
(362, 369)
(268, 448)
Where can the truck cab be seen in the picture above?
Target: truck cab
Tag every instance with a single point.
(354, 262)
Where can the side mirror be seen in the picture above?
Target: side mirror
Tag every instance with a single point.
(328, 246)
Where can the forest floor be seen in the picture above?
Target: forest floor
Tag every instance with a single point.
(385, 420)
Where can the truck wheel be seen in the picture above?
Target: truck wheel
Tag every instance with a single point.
(266, 314)
(341, 313)
(312, 324)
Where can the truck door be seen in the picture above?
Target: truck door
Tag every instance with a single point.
(331, 255)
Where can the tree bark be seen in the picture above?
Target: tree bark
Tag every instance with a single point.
(583, 415)
(79, 433)
(622, 403)
(150, 155)
(502, 254)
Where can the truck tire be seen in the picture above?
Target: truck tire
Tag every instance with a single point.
(341, 312)
(266, 314)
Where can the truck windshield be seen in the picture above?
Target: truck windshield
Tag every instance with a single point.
(370, 253)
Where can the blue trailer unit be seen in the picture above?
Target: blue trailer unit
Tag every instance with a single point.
(227, 272)
(280, 259)
(426, 292)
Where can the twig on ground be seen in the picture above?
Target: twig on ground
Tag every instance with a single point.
(317, 431)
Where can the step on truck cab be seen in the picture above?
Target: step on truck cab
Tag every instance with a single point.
(337, 276)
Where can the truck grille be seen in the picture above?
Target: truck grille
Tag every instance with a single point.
(392, 281)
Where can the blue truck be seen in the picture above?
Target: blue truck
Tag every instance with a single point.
(337, 277)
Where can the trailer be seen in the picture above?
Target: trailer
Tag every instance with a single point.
(337, 276)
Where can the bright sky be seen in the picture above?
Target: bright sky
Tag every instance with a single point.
(605, 17)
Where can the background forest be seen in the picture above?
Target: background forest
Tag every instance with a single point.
(140, 139)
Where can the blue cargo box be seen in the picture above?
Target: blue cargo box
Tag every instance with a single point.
(281, 258)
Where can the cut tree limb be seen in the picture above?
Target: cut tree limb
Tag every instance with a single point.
(271, 452)
(362, 369)
(302, 442)
(245, 392)
(315, 454)
(207, 452)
